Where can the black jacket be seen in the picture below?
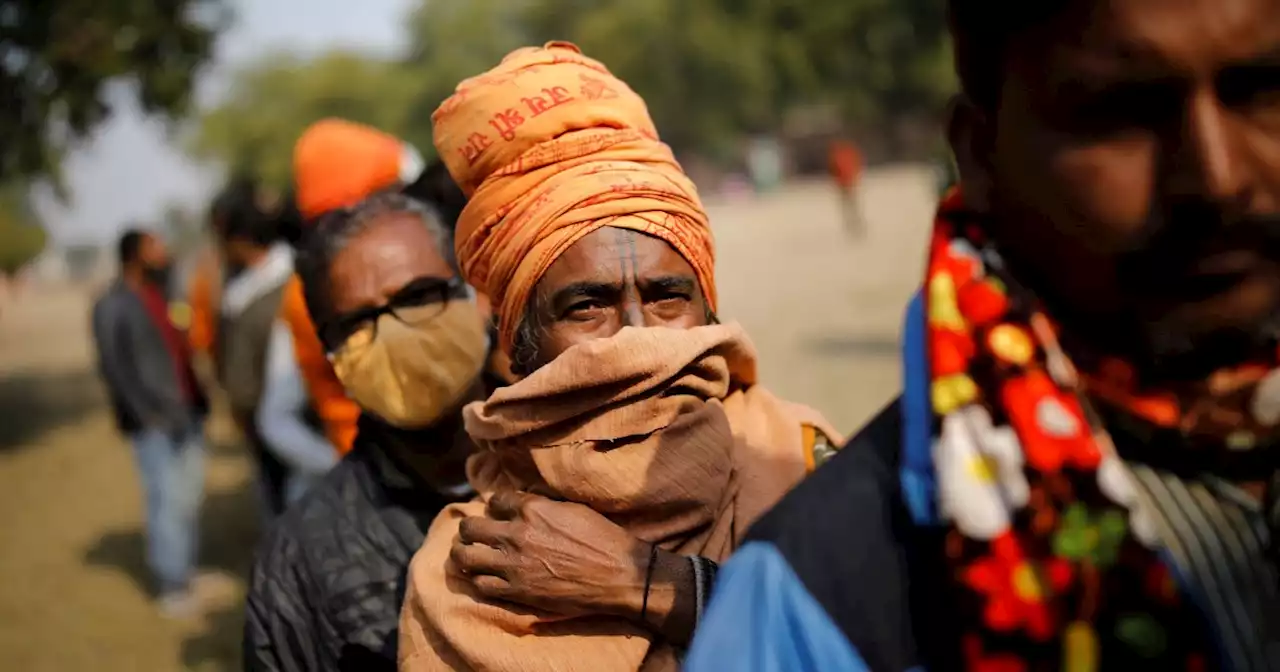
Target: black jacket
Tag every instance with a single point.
(142, 382)
(327, 584)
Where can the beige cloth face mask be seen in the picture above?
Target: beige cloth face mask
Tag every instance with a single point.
(411, 368)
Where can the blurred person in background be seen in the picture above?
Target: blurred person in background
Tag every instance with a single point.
(289, 222)
(765, 163)
(146, 365)
(287, 418)
(202, 299)
(635, 405)
(1081, 472)
(257, 265)
(285, 425)
(844, 161)
(409, 343)
(205, 287)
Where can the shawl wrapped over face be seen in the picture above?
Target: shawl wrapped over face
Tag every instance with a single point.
(661, 430)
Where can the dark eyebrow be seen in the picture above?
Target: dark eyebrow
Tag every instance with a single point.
(1241, 78)
(676, 284)
(1242, 81)
(585, 288)
(1088, 82)
(1102, 64)
(420, 283)
(1267, 59)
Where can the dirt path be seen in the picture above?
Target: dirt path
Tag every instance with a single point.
(823, 310)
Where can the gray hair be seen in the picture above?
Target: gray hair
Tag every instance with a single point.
(526, 347)
(335, 230)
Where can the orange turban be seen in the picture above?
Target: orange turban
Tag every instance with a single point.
(550, 146)
(339, 163)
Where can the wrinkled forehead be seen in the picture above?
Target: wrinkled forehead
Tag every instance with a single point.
(1182, 38)
(615, 255)
(391, 251)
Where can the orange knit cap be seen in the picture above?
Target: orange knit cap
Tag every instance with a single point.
(550, 146)
(338, 163)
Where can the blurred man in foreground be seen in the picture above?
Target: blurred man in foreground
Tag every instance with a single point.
(409, 344)
(146, 365)
(636, 406)
(1080, 472)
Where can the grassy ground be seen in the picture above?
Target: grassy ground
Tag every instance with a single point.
(824, 311)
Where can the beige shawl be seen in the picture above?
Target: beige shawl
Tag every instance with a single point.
(663, 431)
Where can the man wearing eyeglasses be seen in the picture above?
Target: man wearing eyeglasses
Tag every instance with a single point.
(409, 344)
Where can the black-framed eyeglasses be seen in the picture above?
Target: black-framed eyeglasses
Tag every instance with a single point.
(418, 302)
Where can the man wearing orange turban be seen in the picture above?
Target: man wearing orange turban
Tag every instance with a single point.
(637, 408)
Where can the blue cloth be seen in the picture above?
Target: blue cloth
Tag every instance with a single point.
(172, 472)
(919, 488)
(764, 620)
(764, 617)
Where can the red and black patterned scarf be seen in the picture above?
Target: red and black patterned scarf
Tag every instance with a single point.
(1053, 550)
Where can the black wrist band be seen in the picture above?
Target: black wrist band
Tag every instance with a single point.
(704, 577)
(648, 581)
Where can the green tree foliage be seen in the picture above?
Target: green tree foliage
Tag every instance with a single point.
(59, 56)
(440, 57)
(712, 71)
(706, 74)
(21, 237)
(273, 101)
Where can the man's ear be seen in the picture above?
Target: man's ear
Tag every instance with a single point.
(971, 133)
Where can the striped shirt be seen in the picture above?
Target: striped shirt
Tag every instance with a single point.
(1218, 540)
